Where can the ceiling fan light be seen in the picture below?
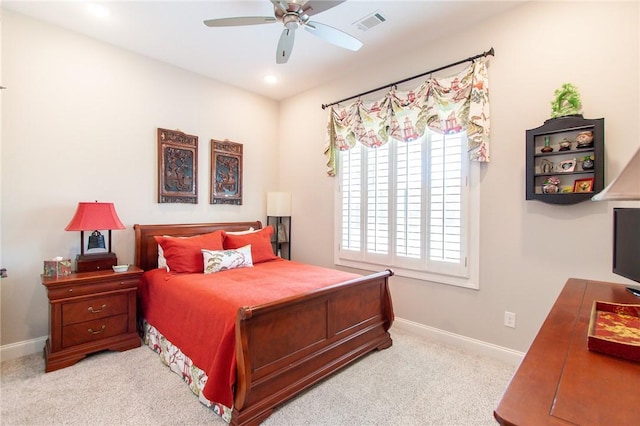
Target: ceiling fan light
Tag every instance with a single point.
(291, 21)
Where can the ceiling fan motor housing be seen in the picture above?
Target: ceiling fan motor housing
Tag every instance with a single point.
(291, 21)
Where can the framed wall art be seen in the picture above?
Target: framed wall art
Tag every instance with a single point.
(177, 167)
(226, 172)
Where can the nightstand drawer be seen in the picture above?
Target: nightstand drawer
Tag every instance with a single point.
(90, 331)
(82, 288)
(94, 308)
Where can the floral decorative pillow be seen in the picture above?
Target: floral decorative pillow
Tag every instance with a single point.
(221, 260)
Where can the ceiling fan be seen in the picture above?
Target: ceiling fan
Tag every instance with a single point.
(294, 14)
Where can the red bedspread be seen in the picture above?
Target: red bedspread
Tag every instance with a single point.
(197, 312)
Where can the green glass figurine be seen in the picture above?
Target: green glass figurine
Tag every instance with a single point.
(566, 102)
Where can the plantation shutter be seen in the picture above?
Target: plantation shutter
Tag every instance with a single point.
(351, 162)
(409, 191)
(378, 176)
(445, 198)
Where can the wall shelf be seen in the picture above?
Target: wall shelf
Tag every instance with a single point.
(577, 180)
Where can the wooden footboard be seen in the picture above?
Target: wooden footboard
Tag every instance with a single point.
(286, 346)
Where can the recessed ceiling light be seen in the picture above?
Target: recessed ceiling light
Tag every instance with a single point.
(98, 10)
(271, 79)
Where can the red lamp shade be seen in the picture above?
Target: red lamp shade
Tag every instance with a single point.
(95, 216)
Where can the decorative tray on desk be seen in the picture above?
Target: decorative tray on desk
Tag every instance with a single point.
(614, 329)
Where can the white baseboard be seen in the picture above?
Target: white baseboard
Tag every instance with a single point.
(479, 347)
(26, 347)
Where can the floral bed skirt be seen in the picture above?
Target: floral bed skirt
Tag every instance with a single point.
(182, 365)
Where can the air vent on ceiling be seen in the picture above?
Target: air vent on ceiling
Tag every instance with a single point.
(370, 21)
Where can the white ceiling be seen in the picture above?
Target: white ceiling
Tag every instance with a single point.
(173, 32)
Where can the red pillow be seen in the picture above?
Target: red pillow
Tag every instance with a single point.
(261, 249)
(184, 255)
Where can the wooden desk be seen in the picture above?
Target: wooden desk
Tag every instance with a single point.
(560, 381)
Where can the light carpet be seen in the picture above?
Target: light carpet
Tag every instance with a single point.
(414, 382)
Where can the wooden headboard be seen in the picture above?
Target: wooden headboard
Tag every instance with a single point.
(146, 254)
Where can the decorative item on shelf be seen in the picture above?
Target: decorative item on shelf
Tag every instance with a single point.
(565, 144)
(583, 185)
(566, 102)
(566, 189)
(587, 162)
(626, 186)
(546, 166)
(567, 166)
(94, 217)
(584, 140)
(550, 185)
(547, 145)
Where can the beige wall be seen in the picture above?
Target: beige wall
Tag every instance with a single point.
(79, 122)
(529, 249)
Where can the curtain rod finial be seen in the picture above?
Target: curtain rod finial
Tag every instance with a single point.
(491, 52)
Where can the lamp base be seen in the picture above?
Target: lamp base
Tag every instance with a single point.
(95, 262)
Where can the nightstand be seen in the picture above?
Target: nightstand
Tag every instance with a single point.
(90, 312)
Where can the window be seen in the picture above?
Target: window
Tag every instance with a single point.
(411, 206)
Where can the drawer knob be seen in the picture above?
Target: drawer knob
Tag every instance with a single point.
(95, 311)
(103, 328)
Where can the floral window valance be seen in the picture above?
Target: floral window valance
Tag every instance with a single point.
(444, 105)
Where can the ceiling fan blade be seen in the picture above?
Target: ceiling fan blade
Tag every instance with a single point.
(285, 46)
(314, 7)
(244, 20)
(282, 5)
(333, 35)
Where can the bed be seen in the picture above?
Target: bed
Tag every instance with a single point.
(281, 346)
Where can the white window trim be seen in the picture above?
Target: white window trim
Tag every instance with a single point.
(471, 281)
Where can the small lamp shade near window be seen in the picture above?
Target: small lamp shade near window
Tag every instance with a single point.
(626, 186)
(279, 204)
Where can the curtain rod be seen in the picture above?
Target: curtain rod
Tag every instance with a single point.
(489, 52)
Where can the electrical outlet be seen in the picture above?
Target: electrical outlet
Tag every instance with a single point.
(509, 319)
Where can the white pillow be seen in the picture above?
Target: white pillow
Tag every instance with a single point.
(220, 260)
(248, 231)
(162, 262)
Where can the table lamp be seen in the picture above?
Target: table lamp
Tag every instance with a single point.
(95, 217)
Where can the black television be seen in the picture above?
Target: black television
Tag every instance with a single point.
(626, 242)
